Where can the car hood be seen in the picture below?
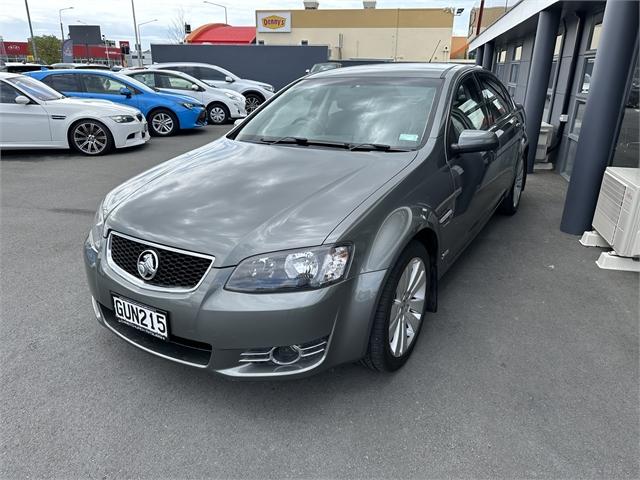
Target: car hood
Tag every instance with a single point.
(105, 107)
(253, 82)
(235, 199)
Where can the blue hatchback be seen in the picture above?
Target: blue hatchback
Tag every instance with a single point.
(165, 112)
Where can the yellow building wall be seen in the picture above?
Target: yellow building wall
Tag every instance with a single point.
(403, 35)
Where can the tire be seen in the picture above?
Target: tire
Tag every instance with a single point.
(381, 354)
(162, 123)
(90, 137)
(217, 114)
(253, 101)
(511, 202)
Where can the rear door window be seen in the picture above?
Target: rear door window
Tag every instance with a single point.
(66, 82)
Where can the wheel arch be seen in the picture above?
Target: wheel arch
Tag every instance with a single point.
(83, 118)
(157, 108)
(254, 92)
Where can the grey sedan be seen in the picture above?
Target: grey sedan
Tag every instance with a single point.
(316, 231)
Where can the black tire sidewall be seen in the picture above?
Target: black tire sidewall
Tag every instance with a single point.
(224, 108)
(153, 132)
(257, 97)
(108, 147)
(379, 354)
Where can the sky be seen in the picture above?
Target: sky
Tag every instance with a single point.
(115, 16)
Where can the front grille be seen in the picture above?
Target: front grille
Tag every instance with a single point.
(139, 116)
(175, 269)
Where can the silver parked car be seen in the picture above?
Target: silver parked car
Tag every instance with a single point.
(255, 92)
(315, 232)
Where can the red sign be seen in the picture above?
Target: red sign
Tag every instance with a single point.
(123, 43)
(16, 48)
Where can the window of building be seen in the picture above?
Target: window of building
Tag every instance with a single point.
(551, 86)
(595, 36)
(587, 73)
(515, 66)
(577, 119)
(627, 150)
(501, 59)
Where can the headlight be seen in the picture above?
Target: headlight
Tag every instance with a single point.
(190, 105)
(123, 118)
(307, 268)
(97, 231)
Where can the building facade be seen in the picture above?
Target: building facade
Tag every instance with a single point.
(367, 33)
(573, 65)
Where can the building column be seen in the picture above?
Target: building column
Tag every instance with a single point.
(479, 52)
(487, 56)
(598, 133)
(541, 61)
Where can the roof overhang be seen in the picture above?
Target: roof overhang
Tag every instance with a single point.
(514, 17)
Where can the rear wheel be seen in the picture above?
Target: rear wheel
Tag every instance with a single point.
(253, 101)
(90, 137)
(400, 312)
(511, 202)
(218, 113)
(162, 123)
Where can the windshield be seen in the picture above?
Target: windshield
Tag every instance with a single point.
(392, 112)
(35, 88)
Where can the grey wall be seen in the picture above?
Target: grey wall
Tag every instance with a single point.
(274, 64)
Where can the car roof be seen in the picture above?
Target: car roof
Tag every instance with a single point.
(429, 70)
(77, 71)
(9, 74)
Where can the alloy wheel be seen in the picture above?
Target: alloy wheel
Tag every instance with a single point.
(252, 103)
(407, 307)
(162, 123)
(517, 186)
(217, 115)
(90, 138)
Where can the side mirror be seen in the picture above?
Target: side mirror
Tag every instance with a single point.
(22, 100)
(476, 141)
(228, 79)
(307, 71)
(125, 91)
(195, 87)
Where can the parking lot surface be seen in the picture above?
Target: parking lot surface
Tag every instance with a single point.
(529, 369)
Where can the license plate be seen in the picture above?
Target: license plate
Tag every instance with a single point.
(142, 317)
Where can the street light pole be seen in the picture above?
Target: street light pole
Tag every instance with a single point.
(218, 5)
(135, 30)
(106, 49)
(62, 32)
(140, 39)
(33, 40)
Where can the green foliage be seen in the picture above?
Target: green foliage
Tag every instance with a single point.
(48, 47)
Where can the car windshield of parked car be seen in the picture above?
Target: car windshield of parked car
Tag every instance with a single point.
(35, 88)
(391, 113)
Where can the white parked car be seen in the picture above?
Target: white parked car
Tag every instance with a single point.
(255, 92)
(222, 104)
(33, 115)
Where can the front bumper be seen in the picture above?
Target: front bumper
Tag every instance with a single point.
(237, 110)
(192, 118)
(128, 134)
(221, 331)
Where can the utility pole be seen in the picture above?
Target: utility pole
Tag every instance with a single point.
(33, 40)
(135, 29)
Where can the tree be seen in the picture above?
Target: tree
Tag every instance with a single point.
(175, 32)
(48, 47)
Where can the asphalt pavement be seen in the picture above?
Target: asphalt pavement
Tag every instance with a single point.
(529, 369)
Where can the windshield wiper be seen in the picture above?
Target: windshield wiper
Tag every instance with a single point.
(382, 147)
(304, 142)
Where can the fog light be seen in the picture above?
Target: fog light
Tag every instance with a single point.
(286, 355)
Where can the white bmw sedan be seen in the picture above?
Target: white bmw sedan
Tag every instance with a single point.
(33, 115)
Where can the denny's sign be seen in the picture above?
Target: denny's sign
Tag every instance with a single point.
(270, 22)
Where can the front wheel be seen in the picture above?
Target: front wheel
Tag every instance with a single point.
(253, 101)
(162, 123)
(90, 137)
(218, 114)
(400, 311)
(511, 202)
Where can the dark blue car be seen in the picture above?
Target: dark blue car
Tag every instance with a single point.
(166, 112)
